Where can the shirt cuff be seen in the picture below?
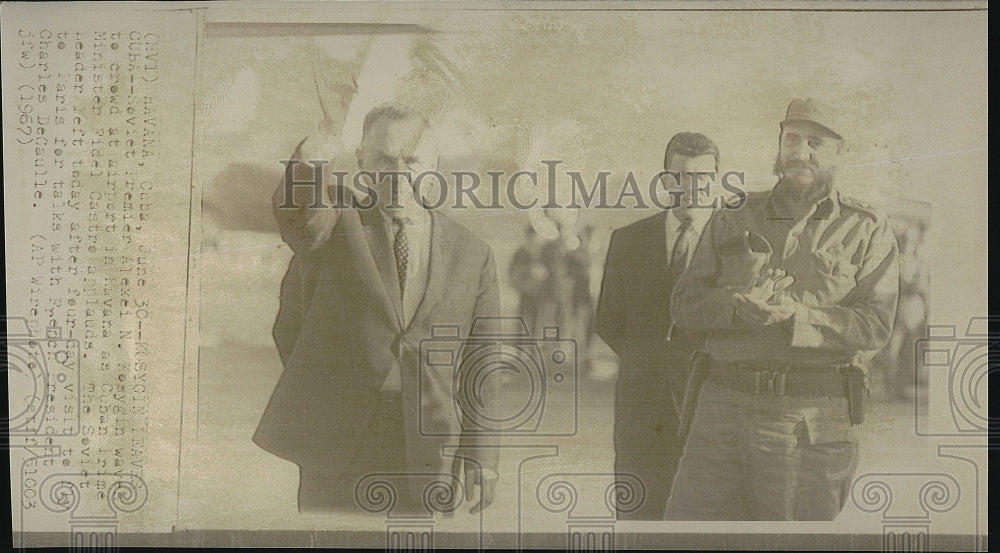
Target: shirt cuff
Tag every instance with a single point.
(804, 333)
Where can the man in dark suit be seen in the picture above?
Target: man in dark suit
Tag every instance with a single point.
(367, 283)
(645, 260)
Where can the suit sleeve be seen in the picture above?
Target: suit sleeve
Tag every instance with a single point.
(484, 446)
(303, 228)
(611, 305)
(699, 303)
(291, 309)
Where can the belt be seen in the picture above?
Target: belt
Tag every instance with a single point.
(779, 381)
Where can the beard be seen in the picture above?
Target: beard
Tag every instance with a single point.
(802, 183)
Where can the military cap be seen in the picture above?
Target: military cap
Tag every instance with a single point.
(812, 111)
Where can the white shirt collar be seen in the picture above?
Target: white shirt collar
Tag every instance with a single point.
(415, 215)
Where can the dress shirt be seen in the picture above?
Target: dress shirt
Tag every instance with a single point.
(418, 234)
(673, 228)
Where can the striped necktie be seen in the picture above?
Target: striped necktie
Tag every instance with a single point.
(401, 247)
(682, 249)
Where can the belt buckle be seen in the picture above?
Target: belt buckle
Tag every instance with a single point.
(770, 382)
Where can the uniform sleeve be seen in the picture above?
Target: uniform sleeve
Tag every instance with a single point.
(699, 303)
(863, 320)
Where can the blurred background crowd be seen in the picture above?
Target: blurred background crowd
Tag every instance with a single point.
(556, 273)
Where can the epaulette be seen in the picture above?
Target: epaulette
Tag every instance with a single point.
(867, 208)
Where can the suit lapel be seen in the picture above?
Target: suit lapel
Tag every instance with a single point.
(653, 262)
(441, 248)
(659, 265)
(385, 259)
(657, 232)
(653, 258)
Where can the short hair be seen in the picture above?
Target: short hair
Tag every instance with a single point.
(393, 112)
(690, 144)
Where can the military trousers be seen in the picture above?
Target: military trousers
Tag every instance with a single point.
(764, 457)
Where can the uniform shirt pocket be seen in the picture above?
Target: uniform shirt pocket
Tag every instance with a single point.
(834, 275)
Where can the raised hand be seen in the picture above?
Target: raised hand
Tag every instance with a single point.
(336, 85)
(303, 227)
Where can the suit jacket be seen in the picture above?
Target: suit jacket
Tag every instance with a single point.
(339, 331)
(633, 317)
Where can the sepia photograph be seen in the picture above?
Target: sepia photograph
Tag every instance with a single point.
(562, 275)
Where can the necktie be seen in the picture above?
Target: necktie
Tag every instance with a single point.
(401, 246)
(682, 247)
